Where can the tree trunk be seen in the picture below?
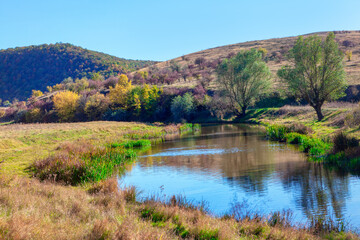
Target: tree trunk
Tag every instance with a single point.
(242, 113)
(318, 112)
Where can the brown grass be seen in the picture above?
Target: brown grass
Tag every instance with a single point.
(274, 46)
(30, 209)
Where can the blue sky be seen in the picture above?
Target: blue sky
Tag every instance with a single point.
(165, 29)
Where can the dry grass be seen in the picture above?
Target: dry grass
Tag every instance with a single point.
(275, 45)
(30, 209)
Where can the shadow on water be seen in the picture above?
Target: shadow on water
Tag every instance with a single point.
(227, 162)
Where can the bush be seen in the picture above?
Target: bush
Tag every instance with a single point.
(342, 142)
(353, 119)
(277, 132)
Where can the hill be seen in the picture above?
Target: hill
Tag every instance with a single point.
(205, 61)
(23, 69)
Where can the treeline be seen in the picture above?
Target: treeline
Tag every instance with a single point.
(316, 76)
(35, 67)
(114, 99)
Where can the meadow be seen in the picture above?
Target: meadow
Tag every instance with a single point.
(49, 203)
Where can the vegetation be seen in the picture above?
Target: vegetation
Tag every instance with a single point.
(23, 69)
(318, 73)
(65, 104)
(245, 78)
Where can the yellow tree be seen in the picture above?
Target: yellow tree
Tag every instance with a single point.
(36, 93)
(146, 91)
(118, 94)
(137, 104)
(65, 104)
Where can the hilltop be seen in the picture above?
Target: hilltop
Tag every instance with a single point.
(277, 49)
(23, 69)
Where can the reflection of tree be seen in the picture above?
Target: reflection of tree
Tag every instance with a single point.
(319, 191)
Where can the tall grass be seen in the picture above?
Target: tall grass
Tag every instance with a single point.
(86, 163)
(315, 147)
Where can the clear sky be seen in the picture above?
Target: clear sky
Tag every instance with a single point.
(165, 29)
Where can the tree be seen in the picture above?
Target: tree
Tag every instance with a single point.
(245, 78)
(182, 106)
(317, 74)
(96, 106)
(36, 93)
(118, 94)
(65, 104)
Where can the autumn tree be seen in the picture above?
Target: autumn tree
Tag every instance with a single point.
(118, 94)
(245, 78)
(96, 106)
(317, 74)
(65, 104)
(36, 93)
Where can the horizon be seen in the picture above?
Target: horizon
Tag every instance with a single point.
(163, 30)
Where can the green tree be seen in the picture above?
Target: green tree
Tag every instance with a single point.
(182, 107)
(317, 74)
(245, 78)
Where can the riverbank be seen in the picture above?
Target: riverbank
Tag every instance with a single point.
(33, 209)
(333, 141)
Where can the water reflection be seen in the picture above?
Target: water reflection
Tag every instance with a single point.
(234, 160)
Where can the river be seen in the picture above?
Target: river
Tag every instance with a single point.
(232, 163)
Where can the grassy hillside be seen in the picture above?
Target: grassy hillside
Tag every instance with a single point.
(276, 56)
(23, 69)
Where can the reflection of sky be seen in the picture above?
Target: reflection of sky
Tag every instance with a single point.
(202, 186)
(220, 171)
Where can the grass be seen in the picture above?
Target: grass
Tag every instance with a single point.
(38, 208)
(23, 144)
(31, 209)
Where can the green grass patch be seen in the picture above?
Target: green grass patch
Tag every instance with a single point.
(132, 144)
(315, 147)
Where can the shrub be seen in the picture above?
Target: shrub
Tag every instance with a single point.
(353, 118)
(342, 142)
(33, 115)
(277, 132)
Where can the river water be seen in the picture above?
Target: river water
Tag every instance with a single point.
(227, 164)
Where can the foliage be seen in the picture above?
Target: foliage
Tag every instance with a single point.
(263, 51)
(342, 142)
(25, 68)
(65, 104)
(182, 107)
(36, 93)
(96, 106)
(348, 54)
(245, 78)
(313, 146)
(318, 73)
(118, 94)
